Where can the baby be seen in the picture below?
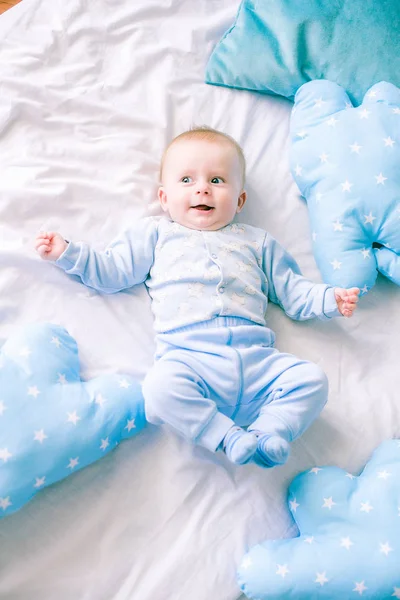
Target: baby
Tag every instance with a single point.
(217, 378)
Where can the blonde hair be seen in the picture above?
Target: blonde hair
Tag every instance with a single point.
(211, 135)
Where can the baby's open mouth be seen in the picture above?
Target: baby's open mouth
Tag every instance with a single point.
(203, 207)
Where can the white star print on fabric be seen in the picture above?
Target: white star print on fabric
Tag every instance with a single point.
(396, 592)
(369, 219)
(332, 122)
(324, 157)
(309, 539)
(366, 253)
(33, 391)
(384, 474)
(130, 424)
(104, 444)
(293, 505)
(99, 399)
(39, 482)
(315, 470)
(346, 186)
(360, 587)
(385, 548)
(3, 407)
(364, 114)
(318, 103)
(350, 476)
(282, 570)
(366, 507)
(389, 142)
(62, 378)
(321, 578)
(40, 436)
(336, 264)
(73, 462)
(337, 226)
(302, 134)
(73, 417)
(124, 384)
(5, 503)
(328, 503)
(346, 543)
(56, 341)
(355, 148)
(298, 170)
(5, 455)
(380, 179)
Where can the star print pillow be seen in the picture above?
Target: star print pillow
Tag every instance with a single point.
(349, 542)
(51, 423)
(345, 161)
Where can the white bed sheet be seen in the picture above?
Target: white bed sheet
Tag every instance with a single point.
(90, 92)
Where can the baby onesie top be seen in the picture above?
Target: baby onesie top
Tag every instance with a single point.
(194, 276)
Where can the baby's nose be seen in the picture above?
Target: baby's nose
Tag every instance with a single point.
(202, 188)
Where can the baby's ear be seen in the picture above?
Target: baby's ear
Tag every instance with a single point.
(162, 196)
(241, 201)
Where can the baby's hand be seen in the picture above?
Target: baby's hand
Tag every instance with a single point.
(346, 300)
(50, 246)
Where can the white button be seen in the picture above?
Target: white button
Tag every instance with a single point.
(213, 255)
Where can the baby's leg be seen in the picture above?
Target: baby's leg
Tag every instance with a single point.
(176, 395)
(294, 398)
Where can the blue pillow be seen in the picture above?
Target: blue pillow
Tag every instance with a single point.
(51, 423)
(346, 161)
(275, 46)
(349, 542)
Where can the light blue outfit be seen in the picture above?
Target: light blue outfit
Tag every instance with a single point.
(215, 363)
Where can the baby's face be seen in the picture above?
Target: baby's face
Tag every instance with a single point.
(202, 184)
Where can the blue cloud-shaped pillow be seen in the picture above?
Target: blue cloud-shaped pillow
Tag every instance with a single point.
(52, 423)
(345, 161)
(349, 543)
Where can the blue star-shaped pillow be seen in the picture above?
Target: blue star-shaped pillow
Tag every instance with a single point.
(52, 423)
(349, 543)
(345, 161)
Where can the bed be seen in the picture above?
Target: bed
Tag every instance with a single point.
(90, 93)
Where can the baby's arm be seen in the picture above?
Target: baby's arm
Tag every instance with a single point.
(300, 298)
(126, 262)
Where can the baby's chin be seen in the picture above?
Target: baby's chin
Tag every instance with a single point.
(201, 222)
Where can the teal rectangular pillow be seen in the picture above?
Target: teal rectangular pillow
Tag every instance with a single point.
(275, 46)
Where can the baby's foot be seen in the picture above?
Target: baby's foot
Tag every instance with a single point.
(239, 445)
(272, 450)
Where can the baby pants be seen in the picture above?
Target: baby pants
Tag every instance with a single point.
(225, 371)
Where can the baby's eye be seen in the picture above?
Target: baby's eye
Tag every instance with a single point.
(217, 180)
(186, 179)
